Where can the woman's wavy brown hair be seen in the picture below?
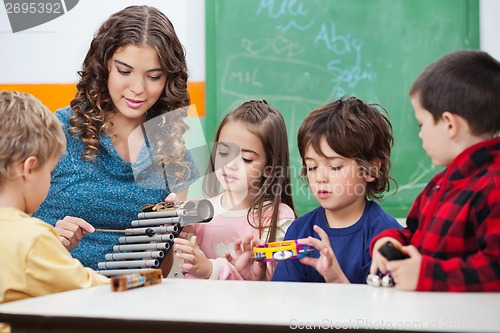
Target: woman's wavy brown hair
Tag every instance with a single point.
(134, 25)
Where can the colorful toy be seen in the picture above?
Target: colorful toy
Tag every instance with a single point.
(136, 280)
(284, 250)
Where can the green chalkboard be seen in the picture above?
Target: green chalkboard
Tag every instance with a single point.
(299, 55)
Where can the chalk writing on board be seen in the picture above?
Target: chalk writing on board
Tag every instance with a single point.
(336, 75)
(246, 71)
(277, 9)
(293, 8)
(300, 54)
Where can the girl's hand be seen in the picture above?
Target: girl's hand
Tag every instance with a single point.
(71, 230)
(327, 264)
(405, 272)
(196, 262)
(187, 232)
(248, 268)
(379, 262)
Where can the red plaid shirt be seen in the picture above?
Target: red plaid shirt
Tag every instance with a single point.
(455, 224)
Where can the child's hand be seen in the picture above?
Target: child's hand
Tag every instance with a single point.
(196, 262)
(327, 264)
(379, 262)
(187, 232)
(248, 268)
(406, 272)
(71, 230)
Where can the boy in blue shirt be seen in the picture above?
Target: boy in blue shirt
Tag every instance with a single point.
(345, 148)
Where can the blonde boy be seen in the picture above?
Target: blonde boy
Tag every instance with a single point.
(33, 260)
(453, 228)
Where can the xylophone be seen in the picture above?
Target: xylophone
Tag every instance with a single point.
(145, 245)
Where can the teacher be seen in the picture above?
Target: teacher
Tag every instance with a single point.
(124, 132)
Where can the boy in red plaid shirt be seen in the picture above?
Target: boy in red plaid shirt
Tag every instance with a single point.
(453, 229)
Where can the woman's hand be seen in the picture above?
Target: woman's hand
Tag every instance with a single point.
(172, 197)
(71, 230)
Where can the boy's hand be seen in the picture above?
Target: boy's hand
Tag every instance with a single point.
(379, 262)
(248, 268)
(327, 264)
(71, 230)
(406, 272)
(196, 262)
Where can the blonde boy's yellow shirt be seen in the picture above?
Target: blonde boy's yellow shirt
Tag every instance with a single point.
(34, 262)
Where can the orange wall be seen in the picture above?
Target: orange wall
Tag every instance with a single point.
(57, 96)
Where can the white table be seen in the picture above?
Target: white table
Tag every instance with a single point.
(244, 306)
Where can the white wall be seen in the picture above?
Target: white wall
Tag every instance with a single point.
(489, 18)
(53, 52)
